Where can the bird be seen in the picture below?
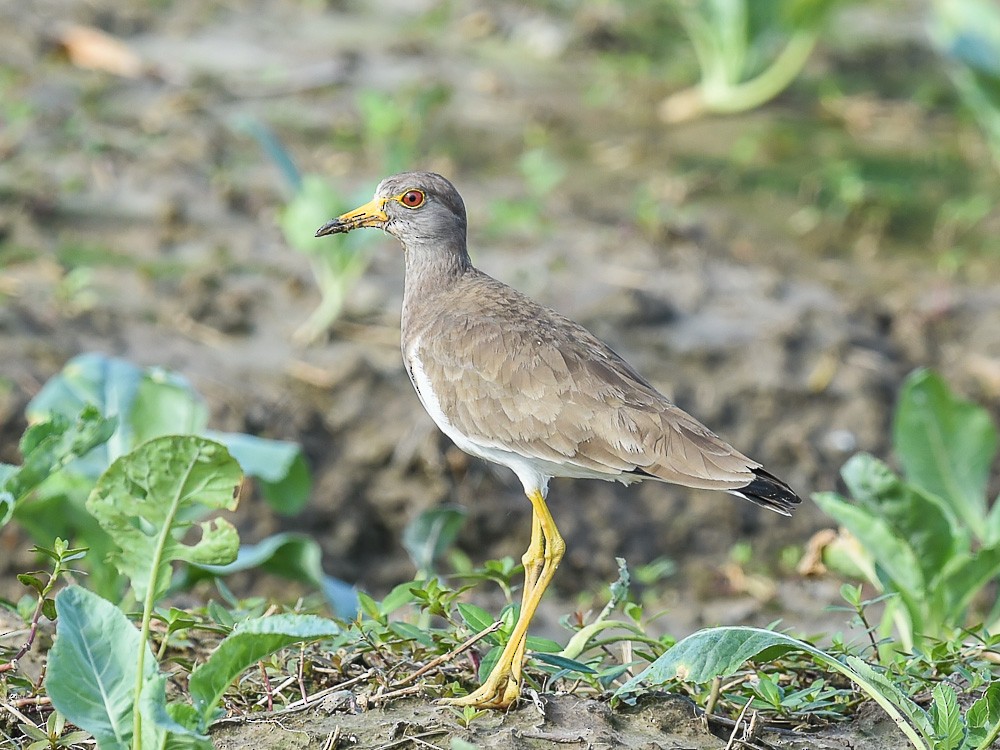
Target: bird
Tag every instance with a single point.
(516, 383)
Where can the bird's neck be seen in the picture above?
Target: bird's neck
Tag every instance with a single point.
(431, 270)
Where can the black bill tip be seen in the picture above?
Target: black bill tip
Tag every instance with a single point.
(334, 226)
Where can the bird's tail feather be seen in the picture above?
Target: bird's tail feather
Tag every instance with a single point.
(767, 491)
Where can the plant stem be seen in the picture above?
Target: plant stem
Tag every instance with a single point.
(147, 607)
(739, 97)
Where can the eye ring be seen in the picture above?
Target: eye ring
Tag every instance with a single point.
(412, 198)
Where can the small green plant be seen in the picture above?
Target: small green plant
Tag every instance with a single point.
(100, 408)
(393, 133)
(734, 42)
(930, 538)
(102, 674)
(721, 652)
(52, 737)
(43, 583)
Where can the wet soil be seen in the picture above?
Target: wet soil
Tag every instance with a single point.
(139, 218)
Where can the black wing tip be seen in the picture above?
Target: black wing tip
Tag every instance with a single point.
(767, 491)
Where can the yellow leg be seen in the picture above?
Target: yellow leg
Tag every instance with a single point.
(532, 560)
(503, 686)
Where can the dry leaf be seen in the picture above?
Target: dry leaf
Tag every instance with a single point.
(93, 49)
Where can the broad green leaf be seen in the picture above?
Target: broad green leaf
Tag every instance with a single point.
(983, 718)
(964, 577)
(946, 445)
(278, 464)
(720, 652)
(106, 383)
(294, 556)
(165, 404)
(896, 562)
(946, 717)
(431, 533)
(250, 642)
(175, 725)
(146, 499)
(92, 666)
(934, 534)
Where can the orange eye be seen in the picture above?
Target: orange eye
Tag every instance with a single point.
(412, 199)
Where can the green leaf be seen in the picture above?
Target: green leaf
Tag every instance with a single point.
(720, 652)
(431, 533)
(946, 445)
(176, 723)
(92, 666)
(411, 632)
(401, 595)
(897, 566)
(933, 533)
(278, 464)
(106, 383)
(562, 662)
(983, 718)
(49, 446)
(165, 403)
(541, 645)
(477, 618)
(964, 578)
(294, 556)
(145, 501)
(250, 642)
(945, 715)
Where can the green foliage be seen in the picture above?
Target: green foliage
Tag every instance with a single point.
(91, 676)
(250, 642)
(931, 537)
(145, 502)
(393, 131)
(294, 556)
(150, 402)
(102, 674)
(52, 737)
(721, 652)
(735, 43)
(47, 448)
(336, 266)
(967, 34)
(97, 410)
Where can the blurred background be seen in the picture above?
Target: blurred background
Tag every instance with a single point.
(775, 211)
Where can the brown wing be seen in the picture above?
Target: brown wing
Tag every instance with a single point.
(533, 381)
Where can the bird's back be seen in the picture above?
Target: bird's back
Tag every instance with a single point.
(517, 376)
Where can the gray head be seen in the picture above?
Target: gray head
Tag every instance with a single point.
(418, 208)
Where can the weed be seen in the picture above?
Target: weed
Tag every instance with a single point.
(929, 538)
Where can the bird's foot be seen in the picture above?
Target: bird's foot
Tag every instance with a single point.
(497, 693)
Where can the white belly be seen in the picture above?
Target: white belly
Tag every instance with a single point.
(533, 472)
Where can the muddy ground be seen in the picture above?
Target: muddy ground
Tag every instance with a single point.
(735, 262)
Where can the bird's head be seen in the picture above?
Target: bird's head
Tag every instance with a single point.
(414, 207)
